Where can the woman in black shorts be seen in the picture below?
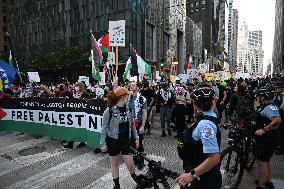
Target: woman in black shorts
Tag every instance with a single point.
(116, 133)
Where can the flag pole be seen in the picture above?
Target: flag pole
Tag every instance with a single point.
(111, 68)
(13, 57)
(116, 61)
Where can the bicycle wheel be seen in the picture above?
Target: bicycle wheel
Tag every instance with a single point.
(249, 156)
(232, 168)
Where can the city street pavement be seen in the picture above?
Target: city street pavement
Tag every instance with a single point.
(52, 167)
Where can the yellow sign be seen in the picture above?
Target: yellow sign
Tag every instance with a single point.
(1, 85)
(173, 78)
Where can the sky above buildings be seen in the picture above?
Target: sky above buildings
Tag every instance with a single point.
(259, 15)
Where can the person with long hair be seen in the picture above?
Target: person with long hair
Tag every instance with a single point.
(116, 133)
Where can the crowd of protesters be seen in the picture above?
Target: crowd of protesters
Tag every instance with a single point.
(234, 100)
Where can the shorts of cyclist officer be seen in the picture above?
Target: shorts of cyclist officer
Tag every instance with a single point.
(265, 145)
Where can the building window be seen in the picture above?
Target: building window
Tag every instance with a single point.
(149, 41)
(196, 3)
(196, 10)
(191, 11)
(203, 8)
(191, 5)
(203, 2)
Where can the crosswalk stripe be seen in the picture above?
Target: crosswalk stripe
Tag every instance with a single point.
(59, 172)
(20, 162)
(106, 182)
(23, 144)
(10, 136)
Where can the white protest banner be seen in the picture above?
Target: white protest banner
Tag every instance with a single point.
(33, 76)
(111, 58)
(158, 75)
(183, 77)
(203, 68)
(117, 33)
(84, 79)
(103, 78)
(193, 73)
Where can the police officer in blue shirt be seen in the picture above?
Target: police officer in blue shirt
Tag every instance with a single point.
(201, 145)
(279, 102)
(268, 120)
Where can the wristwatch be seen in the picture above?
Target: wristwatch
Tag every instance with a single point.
(193, 173)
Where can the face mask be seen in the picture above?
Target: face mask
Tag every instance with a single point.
(77, 89)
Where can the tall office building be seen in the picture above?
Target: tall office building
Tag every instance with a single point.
(278, 46)
(205, 13)
(156, 28)
(255, 38)
(3, 23)
(232, 36)
(250, 54)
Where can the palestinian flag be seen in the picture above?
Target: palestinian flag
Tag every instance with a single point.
(136, 66)
(104, 43)
(96, 59)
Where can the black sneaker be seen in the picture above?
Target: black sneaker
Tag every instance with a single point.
(163, 134)
(279, 151)
(258, 187)
(148, 132)
(169, 132)
(116, 187)
(135, 178)
(82, 144)
(268, 185)
(68, 145)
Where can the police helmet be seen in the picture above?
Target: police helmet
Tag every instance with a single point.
(278, 85)
(265, 91)
(203, 94)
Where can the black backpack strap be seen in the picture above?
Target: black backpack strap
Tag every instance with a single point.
(110, 114)
(215, 120)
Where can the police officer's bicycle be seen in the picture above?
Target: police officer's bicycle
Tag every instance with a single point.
(239, 156)
(155, 174)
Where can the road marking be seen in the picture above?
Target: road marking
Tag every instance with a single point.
(20, 162)
(59, 172)
(23, 144)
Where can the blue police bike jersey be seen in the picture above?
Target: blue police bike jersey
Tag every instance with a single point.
(206, 131)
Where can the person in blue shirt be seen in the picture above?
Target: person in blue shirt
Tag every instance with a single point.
(268, 121)
(279, 102)
(201, 158)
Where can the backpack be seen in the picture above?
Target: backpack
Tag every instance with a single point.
(189, 149)
(245, 106)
